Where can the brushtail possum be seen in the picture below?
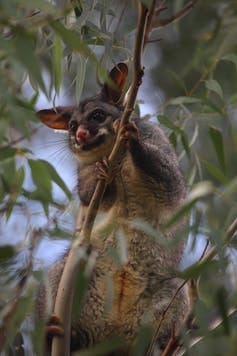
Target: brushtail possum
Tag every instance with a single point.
(144, 192)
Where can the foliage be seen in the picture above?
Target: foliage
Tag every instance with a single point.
(190, 66)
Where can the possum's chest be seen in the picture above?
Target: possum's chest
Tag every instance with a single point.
(113, 303)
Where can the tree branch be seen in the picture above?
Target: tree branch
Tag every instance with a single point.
(63, 303)
(156, 22)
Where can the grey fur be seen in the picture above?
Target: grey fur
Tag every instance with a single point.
(147, 190)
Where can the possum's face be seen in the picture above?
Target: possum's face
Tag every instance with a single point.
(90, 125)
(91, 130)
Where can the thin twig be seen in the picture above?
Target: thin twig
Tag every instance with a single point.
(157, 22)
(18, 140)
(63, 303)
(162, 318)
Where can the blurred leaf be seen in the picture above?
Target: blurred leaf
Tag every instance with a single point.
(72, 39)
(57, 60)
(122, 246)
(81, 286)
(24, 48)
(231, 58)
(56, 178)
(213, 85)
(142, 341)
(216, 173)
(169, 124)
(106, 347)
(180, 100)
(210, 106)
(180, 83)
(16, 189)
(41, 177)
(200, 191)
(80, 78)
(6, 252)
(45, 6)
(233, 99)
(10, 152)
(217, 141)
(222, 297)
(195, 270)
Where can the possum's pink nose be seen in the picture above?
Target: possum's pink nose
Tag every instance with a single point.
(82, 134)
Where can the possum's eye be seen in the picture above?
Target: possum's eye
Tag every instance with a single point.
(73, 125)
(98, 115)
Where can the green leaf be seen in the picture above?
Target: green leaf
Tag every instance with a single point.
(222, 304)
(169, 124)
(180, 83)
(42, 180)
(216, 173)
(184, 100)
(24, 48)
(80, 78)
(57, 62)
(195, 270)
(10, 152)
(6, 252)
(16, 189)
(105, 347)
(231, 58)
(72, 39)
(213, 85)
(200, 191)
(233, 99)
(217, 141)
(143, 340)
(56, 178)
(164, 120)
(209, 106)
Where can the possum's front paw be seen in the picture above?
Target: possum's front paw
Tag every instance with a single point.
(54, 328)
(129, 134)
(104, 171)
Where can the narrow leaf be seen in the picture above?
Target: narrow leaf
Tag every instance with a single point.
(80, 78)
(213, 85)
(56, 178)
(72, 39)
(41, 178)
(57, 62)
(231, 58)
(184, 100)
(16, 189)
(25, 53)
(216, 173)
(217, 141)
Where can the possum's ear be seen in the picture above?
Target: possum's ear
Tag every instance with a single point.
(118, 76)
(56, 118)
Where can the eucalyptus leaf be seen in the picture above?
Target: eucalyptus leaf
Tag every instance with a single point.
(57, 61)
(181, 100)
(231, 57)
(216, 173)
(217, 141)
(213, 85)
(24, 48)
(56, 178)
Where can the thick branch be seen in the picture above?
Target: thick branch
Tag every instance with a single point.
(63, 304)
